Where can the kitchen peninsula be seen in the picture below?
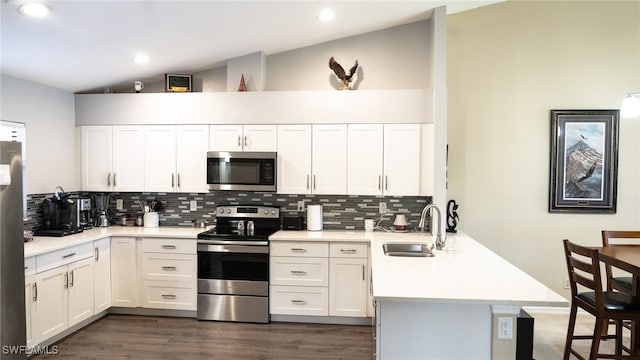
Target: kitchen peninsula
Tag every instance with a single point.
(440, 307)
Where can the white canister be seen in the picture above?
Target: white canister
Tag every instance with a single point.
(314, 217)
(151, 220)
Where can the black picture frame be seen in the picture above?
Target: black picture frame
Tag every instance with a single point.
(178, 83)
(584, 161)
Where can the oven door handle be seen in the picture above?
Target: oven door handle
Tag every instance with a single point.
(233, 249)
(231, 242)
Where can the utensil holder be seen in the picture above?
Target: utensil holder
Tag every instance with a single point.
(151, 220)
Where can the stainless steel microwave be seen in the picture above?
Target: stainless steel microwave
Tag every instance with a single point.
(234, 170)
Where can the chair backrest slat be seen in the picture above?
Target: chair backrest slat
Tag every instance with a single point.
(583, 266)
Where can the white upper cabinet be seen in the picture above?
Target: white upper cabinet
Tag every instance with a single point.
(176, 158)
(128, 158)
(384, 159)
(112, 158)
(401, 162)
(243, 137)
(160, 156)
(294, 159)
(192, 145)
(312, 159)
(364, 158)
(97, 157)
(329, 159)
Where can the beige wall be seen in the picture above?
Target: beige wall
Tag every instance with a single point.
(508, 65)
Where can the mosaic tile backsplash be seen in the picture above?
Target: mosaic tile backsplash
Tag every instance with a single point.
(340, 212)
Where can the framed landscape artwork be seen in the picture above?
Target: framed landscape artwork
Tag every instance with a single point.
(584, 161)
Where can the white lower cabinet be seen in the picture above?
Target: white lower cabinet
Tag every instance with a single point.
(60, 298)
(102, 275)
(30, 297)
(319, 278)
(123, 272)
(169, 270)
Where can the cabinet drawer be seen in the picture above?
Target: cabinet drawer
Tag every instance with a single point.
(30, 266)
(169, 295)
(299, 271)
(348, 250)
(293, 248)
(64, 256)
(169, 267)
(299, 300)
(169, 246)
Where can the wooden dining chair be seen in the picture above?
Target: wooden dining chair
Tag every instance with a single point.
(613, 238)
(583, 266)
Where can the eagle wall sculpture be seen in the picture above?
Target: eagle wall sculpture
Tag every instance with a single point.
(344, 78)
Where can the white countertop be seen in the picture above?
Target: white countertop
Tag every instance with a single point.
(43, 244)
(464, 272)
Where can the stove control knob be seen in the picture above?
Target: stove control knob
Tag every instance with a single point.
(228, 211)
(273, 212)
(266, 211)
(221, 211)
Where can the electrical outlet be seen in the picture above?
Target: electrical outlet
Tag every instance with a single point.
(505, 328)
(119, 204)
(382, 207)
(566, 284)
(301, 205)
(193, 205)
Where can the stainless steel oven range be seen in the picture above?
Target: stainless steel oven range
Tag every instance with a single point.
(233, 264)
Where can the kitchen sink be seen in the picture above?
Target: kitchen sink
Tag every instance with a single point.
(407, 250)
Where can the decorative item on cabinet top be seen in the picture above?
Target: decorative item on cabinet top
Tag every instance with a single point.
(344, 78)
(178, 83)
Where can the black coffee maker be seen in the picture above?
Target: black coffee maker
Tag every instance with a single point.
(60, 215)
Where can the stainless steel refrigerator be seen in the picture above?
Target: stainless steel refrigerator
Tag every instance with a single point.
(12, 306)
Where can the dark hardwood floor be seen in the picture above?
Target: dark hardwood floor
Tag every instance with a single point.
(149, 337)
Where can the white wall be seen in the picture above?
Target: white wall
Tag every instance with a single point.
(508, 65)
(51, 137)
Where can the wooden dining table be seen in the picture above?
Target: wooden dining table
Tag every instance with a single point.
(627, 258)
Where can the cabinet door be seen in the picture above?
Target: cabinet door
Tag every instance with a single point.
(260, 138)
(51, 305)
(30, 298)
(123, 272)
(160, 158)
(128, 158)
(402, 159)
(191, 152)
(364, 156)
(329, 159)
(225, 137)
(294, 159)
(102, 275)
(97, 157)
(80, 290)
(348, 287)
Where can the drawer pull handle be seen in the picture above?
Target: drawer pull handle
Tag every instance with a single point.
(66, 280)
(298, 250)
(298, 272)
(168, 246)
(298, 302)
(168, 296)
(26, 267)
(169, 268)
(68, 255)
(348, 251)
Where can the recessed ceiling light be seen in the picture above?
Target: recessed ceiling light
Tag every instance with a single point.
(141, 58)
(326, 15)
(35, 9)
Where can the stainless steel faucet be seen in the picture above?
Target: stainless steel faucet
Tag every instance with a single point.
(440, 240)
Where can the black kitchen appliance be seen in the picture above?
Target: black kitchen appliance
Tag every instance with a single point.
(233, 264)
(235, 170)
(60, 216)
(293, 222)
